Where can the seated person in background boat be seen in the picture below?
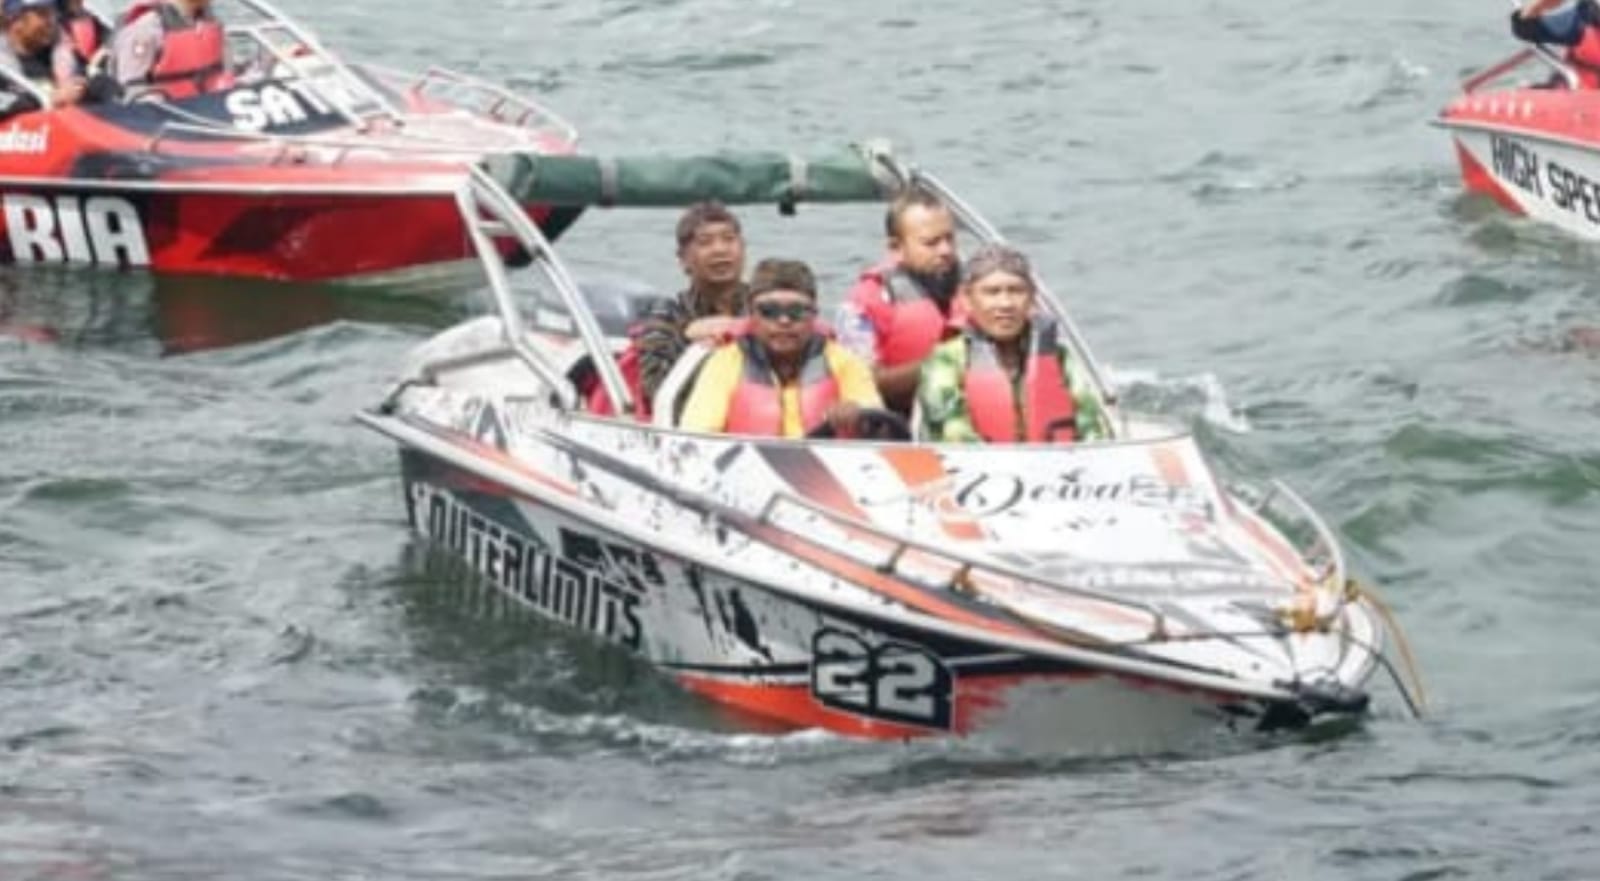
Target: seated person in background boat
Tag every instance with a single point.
(34, 49)
(1005, 377)
(711, 252)
(1577, 27)
(86, 34)
(900, 308)
(171, 48)
(782, 378)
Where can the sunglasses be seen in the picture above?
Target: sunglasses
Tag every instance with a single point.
(791, 311)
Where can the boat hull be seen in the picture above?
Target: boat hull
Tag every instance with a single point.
(203, 187)
(1534, 152)
(283, 236)
(778, 661)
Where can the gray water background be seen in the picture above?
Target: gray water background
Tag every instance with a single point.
(222, 657)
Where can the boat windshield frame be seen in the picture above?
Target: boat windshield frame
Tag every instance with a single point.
(265, 19)
(1505, 66)
(485, 204)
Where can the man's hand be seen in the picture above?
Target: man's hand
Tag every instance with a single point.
(68, 93)
(843, 417)
(712, 328)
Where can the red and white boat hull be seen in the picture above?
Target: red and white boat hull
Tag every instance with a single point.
(1534, 150)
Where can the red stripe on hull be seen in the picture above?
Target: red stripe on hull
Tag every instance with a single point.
(1479, 180)
(773, 707)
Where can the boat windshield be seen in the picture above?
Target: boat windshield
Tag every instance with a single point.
(264, 44)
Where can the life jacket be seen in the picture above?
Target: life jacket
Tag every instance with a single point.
(1047, 411)
(1585, 58)
(916, 323)
(599, 402)
(757, 404)
(191, 61)
(86, 34)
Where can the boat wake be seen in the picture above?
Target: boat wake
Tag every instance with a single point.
(1198, 397)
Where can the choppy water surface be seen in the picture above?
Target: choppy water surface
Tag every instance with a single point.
(220, 656)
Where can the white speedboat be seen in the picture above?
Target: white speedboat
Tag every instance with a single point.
(1105, 595)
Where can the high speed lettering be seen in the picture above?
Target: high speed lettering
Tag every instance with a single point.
(1573, 192)
(523, 567)
(1546, 179)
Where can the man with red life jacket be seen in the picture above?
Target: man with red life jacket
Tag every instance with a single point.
(82, 30)
(782, 378)
(1576, 27)
(33, 50)
(1006, 377)
(174, 48)
(901, 308)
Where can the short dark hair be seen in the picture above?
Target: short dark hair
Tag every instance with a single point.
(775, 274)
(914, 197)
(701, 214)
(996, 257)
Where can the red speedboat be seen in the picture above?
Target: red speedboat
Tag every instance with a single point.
(305, 169)
(1533, 147)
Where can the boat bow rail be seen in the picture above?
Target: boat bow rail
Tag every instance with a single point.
(961, 572)
(476, 96)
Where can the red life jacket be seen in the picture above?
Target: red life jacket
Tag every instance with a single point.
(916, 322)
(190, 61)
(600, 404)
(757, 405)
(84, 32)
(1585, 57)
(1047, 411)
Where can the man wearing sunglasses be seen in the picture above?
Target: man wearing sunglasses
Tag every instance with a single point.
(782, 378)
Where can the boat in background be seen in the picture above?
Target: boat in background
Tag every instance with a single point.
(305, 169)
(1108, 595)
(1533, 146)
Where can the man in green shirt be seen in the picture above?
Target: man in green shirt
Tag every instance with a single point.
(1006, 378)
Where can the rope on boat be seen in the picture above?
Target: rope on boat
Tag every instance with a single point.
(1415, 696)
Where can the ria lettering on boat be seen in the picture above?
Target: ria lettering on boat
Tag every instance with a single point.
(276, 104)
(523, 567)
(68, 228)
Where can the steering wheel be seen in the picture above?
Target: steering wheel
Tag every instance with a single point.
(872, 424)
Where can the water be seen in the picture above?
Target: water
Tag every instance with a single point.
(220, 656)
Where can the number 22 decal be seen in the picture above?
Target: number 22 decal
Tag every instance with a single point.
(892, 681)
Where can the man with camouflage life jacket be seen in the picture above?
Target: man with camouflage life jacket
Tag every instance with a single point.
(1006, 377)
(1577, 27)
(173, 48)
(902, 307)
